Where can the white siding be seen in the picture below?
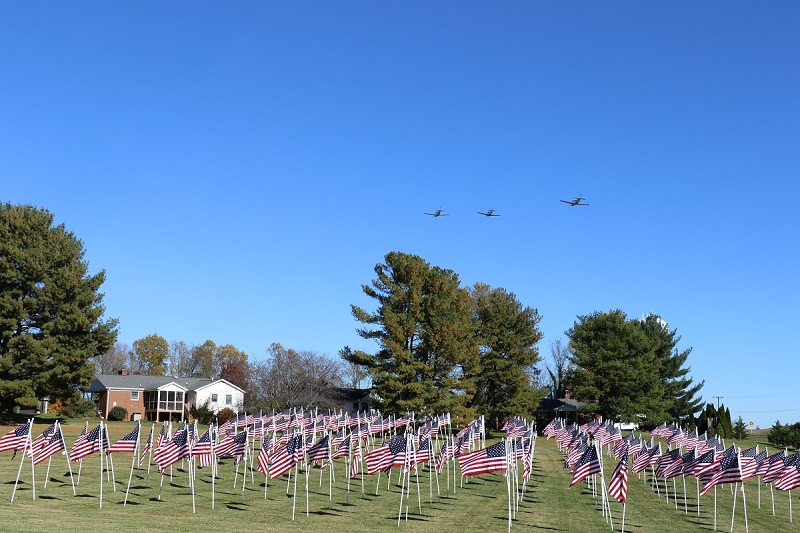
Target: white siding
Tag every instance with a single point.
(224, 392)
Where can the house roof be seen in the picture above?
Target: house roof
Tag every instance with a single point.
(347, 394)
(220, 380)
(104, 382)
(560, 405)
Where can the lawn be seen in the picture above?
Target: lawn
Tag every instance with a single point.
(479, 505)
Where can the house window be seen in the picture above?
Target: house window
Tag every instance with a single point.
(134, 395)
(228, 399)
(214, 398)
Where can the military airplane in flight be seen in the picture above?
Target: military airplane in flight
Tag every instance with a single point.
(438, 213)
(489, 213)
(576, 201)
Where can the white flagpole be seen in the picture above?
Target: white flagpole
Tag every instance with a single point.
(308, 466)
(22, 461)
(403, 484)
(294, 495)
(715, 507)
(100, 445)
(80, 466)
(733, 512)
(744, 505)
(135, 457)
(330, 474)
(110, 460)
(244, 469)
(790, 506)
(508, 483)
(29, 443)
(212, 437)
(69, 464)
(622, 529)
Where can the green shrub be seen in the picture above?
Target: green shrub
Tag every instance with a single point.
(118, 413)
(224, 415)
(203, 414)
(79, 408)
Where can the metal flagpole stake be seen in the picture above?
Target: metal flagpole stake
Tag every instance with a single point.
(133, 462)
(21, 462)
(100, 444)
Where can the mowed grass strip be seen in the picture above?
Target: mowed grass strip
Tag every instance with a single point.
(480, 504)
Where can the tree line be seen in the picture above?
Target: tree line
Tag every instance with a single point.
(284, 378)
(440, 346)
(444, 347)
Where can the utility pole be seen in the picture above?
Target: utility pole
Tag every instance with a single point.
(718, 399)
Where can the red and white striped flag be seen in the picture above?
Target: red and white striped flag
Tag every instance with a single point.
(127, 443)
(587, 465)
(485, 461)
(618, 484)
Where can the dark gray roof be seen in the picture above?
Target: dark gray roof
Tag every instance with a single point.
(559, 405)
(136, 382)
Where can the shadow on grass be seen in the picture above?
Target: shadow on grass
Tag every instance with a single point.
(327, 512)
(547, 528)
(49, 498)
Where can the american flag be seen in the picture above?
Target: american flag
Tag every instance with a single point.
(356, 465)
(678, 438)
(589, 464)
(319, 450)
(790, 479)
(202, 450)
(618, 484)
(486, 461)
(263, 458)
(42, 440)
(575, 453)
(227, 426)
(703, 463)
(646, 456)
(85, 444)
(680, 466)
(147, 445)
(551, 429)
(773, 464)
(162, 436)
(225, 446)
(445, 453)
(666, 460)
(423, 451)
(612, 434)
(777, 463)
(53, 446)
(16, 439)
(287, 456)
(175, 450)
(763, 464)
(730, 472)
(389, 455)
(749, 461)
(127, 443)
(343, 447)
(240, 446)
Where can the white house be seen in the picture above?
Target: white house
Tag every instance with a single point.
(157, 398)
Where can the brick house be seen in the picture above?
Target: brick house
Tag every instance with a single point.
(157, 398)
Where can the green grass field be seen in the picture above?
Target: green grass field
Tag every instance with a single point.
(480, 505)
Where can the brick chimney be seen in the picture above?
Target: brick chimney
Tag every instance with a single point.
(123, 372)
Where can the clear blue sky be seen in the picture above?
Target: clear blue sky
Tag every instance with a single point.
(238, 169)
